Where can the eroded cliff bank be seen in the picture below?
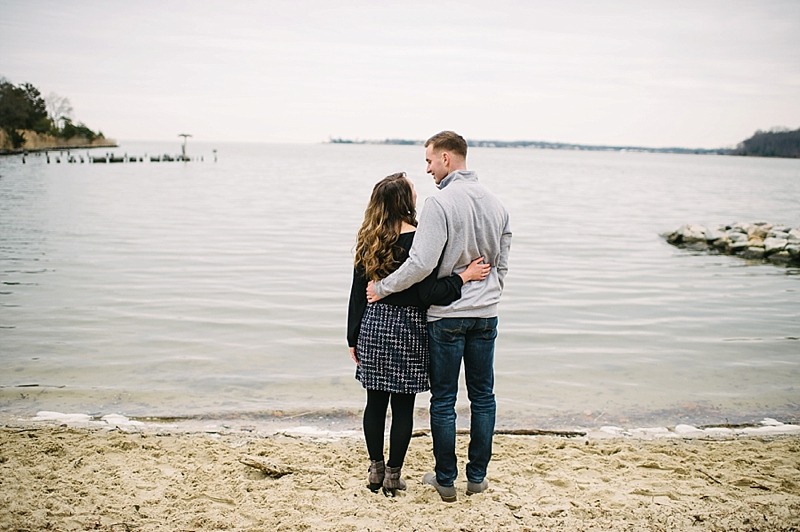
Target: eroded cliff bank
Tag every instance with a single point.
(41, 142)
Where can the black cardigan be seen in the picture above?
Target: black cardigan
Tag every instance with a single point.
(429, 291)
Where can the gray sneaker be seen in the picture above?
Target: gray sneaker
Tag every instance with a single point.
(447, 493)
(477, 487)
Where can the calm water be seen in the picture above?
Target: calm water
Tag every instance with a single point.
(218, 290)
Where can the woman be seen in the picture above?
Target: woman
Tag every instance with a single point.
(388, 339)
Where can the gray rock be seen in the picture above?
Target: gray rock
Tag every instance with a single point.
(737, 237)
(741, 227)
(712, 235)
(781, 257)
(759, 231)
(773, 245)
(738, 247)
(698, 245)
(694, 233)
(753, 253)
(778, 234)
(722, 244)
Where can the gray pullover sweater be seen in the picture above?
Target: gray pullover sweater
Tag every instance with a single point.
(462, 222)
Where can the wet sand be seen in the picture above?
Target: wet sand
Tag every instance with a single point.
(65, 477)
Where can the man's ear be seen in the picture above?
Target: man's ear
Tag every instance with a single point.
(446, 159)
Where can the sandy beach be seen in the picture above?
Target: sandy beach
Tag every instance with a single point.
(62, 476)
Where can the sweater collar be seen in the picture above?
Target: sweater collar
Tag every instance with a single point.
(458, 175)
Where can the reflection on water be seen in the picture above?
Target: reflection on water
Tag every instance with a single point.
(218, 290)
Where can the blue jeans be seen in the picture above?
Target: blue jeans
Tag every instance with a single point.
(452, 340)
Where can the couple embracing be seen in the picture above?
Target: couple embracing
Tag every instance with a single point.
(424, 299)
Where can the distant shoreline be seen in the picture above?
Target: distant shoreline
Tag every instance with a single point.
(536, 144)
(778, 144)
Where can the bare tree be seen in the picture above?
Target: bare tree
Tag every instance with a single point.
(59, 109)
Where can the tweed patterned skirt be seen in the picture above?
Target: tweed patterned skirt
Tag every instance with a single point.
(393, 349)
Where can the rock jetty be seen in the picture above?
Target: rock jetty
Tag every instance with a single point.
(778, 244)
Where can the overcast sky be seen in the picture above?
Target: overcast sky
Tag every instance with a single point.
(647, 73)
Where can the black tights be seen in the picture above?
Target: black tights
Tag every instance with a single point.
(402, 425)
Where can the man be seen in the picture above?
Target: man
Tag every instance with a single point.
(461, 222)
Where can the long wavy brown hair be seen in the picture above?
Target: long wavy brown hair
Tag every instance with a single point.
(391, 204)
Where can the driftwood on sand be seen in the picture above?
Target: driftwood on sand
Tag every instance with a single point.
(271, 470)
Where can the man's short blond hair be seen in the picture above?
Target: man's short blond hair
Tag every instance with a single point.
(448, 141)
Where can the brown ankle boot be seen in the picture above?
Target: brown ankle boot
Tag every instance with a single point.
(393, 481)
(377, 471)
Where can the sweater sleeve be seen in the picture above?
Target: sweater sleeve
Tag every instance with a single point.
(356, 308)
(433, 291)
(505, 249)
(424, 254)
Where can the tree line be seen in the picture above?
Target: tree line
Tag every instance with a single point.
(778, 142)
(23, 108)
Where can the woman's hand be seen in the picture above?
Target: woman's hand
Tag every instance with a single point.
(372, 297)
(476, 271)
(353, 356)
